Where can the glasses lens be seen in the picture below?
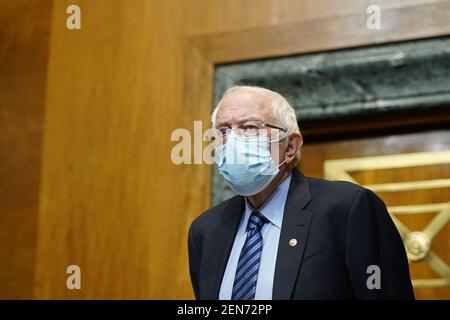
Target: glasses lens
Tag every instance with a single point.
(250, 129)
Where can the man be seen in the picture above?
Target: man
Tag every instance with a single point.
(287, 236)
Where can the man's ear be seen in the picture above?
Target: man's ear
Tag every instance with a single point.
(294, 144)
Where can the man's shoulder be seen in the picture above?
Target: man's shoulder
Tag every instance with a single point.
(334, 187)
(339, 192)
(215, 213)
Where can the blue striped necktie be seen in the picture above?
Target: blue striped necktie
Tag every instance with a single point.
(244, 286)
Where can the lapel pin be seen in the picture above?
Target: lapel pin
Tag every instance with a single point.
(293, 242)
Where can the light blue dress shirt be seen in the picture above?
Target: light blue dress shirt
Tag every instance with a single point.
(273, 210)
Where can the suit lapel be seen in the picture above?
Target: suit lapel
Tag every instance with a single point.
(223, 240)
(293, 237)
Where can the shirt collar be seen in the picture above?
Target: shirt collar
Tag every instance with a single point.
(273, 207)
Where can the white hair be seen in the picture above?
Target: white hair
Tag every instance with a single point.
(282, 111)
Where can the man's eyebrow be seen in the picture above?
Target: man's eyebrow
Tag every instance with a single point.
(222, 124)
(250, 119)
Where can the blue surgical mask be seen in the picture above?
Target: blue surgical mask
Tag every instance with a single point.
(246, 164)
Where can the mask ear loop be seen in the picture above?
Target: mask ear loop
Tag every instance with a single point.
(275, 140)
(281, 164)
(286, 136)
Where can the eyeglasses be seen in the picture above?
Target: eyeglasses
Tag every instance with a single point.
(247, 129)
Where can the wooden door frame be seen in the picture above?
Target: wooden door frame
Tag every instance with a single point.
(204, 51)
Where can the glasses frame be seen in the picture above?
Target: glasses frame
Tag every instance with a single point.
(263, 126)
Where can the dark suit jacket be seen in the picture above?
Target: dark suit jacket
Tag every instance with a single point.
(341, 229)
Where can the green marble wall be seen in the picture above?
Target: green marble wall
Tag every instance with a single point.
(398, 77)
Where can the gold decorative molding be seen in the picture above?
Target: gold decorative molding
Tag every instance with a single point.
(418, 243)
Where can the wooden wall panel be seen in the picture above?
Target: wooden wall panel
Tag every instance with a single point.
(24, 38)
(111, 201)
(109, 191)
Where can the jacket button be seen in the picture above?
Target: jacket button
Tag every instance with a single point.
(293, 242)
